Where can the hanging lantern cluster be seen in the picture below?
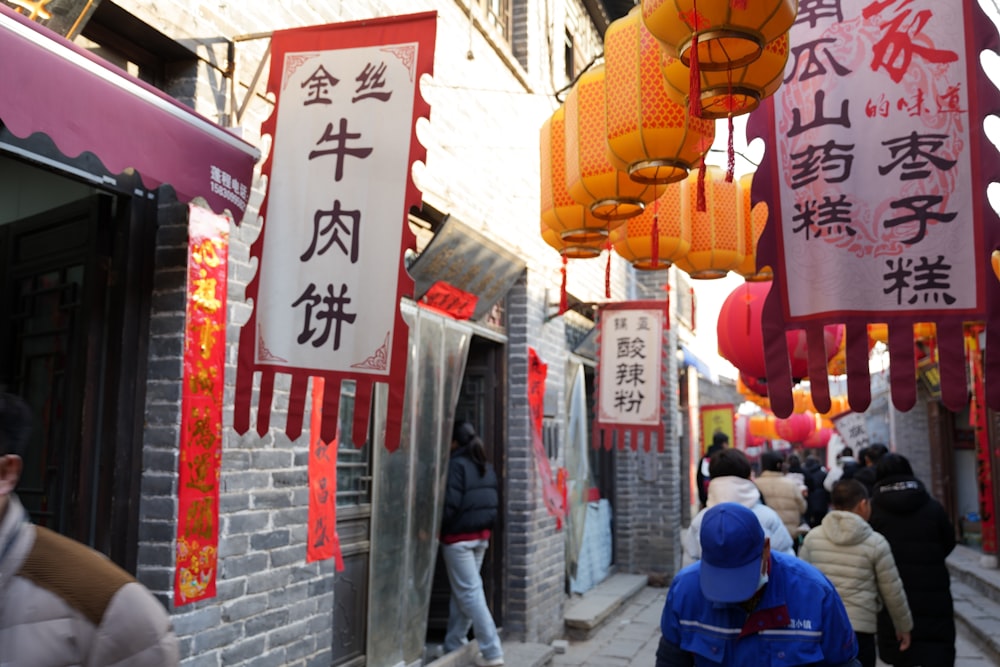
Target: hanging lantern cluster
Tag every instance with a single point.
(733, 50)
(623, 159)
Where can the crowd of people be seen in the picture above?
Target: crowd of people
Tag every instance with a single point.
(812, 566)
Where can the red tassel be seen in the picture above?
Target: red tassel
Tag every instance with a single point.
(654, 236)
(694, 87)
(563, 305)
(607, 272)
(668, 306)
(738, 5)
(730, 154)
(702, 206)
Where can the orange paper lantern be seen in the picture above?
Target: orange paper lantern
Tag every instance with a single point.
(650, 136)
(591, 179)
(730, 92)
(754, 220)
(570, 249)
(728, 34)
(560, 212)
(718, 242)
(634, 239)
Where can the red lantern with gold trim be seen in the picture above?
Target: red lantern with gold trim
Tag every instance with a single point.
(649, 135)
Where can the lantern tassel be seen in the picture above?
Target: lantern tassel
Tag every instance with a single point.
(730, 154)
(702, 205)
(668, 305)
(654, 236)
(562, 290)
(694, 87)
(607, 271)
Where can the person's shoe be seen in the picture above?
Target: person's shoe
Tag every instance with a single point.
(483, 661)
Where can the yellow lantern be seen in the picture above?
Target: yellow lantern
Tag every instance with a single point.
(732, 92)
(569, 249)
(754, 219)
(728, 33)
(573, 222)
(591, 179)
(634, 239)
(717, 239)
(802, 400)
(649, 135)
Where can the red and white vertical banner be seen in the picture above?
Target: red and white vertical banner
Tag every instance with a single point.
(323, 539)
(876, 174)
(631, 383)
(201, 407)
(335, 219)
(551, 494)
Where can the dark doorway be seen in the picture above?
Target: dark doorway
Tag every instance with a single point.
(481, 402)
(73, 344)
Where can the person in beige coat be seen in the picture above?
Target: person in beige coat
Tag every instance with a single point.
(61, 602)
(860, 564)
(781, 493)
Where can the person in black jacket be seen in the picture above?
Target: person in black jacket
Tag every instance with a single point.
(921, 536)
(470, 509)
(702, 478)
(818, 500)
(870, 456)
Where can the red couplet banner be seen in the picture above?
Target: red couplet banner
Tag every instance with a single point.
(201, 408)
(323, 539)
(551, 495)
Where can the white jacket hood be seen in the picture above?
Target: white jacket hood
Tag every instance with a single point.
(845, 528)
(732, 490)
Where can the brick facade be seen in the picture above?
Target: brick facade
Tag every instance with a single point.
(488, 100)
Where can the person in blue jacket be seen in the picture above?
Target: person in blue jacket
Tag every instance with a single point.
(743, 606)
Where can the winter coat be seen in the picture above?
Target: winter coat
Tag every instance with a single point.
(859, 562)
(743, 491)
(785, 497)
(845, 469)
(471, 499)
(866, 475)
(63, 604)
(818, 500)
(921, 536)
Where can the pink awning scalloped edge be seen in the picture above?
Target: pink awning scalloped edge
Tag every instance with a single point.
(980, 35)
(52, 86)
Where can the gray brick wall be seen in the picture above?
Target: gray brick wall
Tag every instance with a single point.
(272, 608)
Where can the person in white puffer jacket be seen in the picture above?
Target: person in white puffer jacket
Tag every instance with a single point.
(860, 564)
(729, 470)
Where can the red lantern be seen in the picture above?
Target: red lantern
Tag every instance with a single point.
(797, 427)
(742, 343)
(819, 439)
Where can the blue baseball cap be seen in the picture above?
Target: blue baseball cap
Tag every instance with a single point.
(732, 546)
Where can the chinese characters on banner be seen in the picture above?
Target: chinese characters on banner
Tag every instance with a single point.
(875, 176)
(324, 542)
(631, 353)
(552, 495)
(326, 296)
(717, 419)
(201, 407)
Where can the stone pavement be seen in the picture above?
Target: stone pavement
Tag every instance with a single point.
(631, 638)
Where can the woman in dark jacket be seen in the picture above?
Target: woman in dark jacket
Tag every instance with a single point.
(921, 536)
(471, 503)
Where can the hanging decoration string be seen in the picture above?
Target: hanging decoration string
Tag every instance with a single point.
(607, 270)
(654, 236)
(730, 148)
(694, 88)
(702, 206)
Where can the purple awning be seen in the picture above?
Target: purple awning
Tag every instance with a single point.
(50, 85)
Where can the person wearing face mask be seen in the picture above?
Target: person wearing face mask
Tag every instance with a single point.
(743, 606)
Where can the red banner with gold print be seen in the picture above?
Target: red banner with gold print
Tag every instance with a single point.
(201, 407)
